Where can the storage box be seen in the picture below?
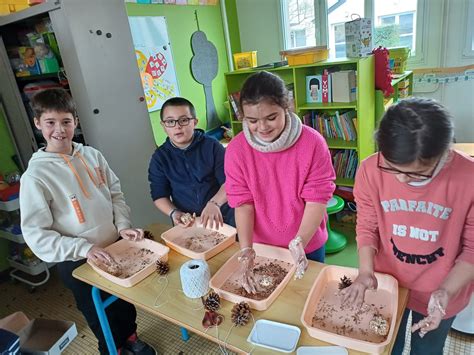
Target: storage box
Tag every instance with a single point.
(306, 55)
(40, 336)
(173, 236)
(344, 86)
(245, 60)
(398, 59)
(124, 249)
(358, 37)
(229, 269)
(384, 299)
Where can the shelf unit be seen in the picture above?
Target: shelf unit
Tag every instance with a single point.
(364, 105)
(19, 267)
(382, 103)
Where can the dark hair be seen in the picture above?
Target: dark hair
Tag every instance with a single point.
(415, 129)
(178, 101)
(55, 99)
(314, 81)
(263, 86)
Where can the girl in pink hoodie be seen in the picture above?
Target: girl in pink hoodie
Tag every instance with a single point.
(279, 177)
(415, 220)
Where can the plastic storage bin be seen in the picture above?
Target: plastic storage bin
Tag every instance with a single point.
(398, 59)
(306, 55)
(232, 265)
(388, 298)
(172, 236)
(119, 248)
(245, 60)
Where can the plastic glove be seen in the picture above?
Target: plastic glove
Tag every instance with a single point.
(212, 215)
(246, 263)
(182, 219)
(436, 311)
(132, 234)
(99, 256)
(299, 256)
(355, 293)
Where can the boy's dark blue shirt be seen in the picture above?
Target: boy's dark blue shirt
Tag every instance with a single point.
(191, 176)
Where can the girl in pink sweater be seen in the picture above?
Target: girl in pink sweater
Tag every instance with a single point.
(279, 177)
(415, 220)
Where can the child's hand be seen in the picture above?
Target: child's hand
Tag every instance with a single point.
(132, 234)
(182, 219)
(212, 215)
(355, 293)
(246, 276)
(436, 311)
(99, 256)
(299, 256)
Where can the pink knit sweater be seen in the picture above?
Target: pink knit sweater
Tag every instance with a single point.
(278, 185)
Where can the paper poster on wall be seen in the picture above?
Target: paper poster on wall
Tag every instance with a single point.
(155, 60)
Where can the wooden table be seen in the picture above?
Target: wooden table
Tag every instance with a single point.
(467, 148)
(181, 310)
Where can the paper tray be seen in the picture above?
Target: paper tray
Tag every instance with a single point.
(161, 253)
(230, 267)
(170, 237)
(274, 335)
(331, 274)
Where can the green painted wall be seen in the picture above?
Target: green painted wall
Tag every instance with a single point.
(233, 25)
(181, 25)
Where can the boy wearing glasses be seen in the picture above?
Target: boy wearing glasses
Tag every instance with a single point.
(415, 220)
(186, 173)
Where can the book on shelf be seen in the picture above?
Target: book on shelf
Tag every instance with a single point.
(345, 162)
(234, 104)
(335, 126)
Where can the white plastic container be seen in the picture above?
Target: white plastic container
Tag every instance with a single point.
(274, 335)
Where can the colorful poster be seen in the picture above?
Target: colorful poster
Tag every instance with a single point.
(155, 60)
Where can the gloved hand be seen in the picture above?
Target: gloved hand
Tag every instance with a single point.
(299, 256)
(212, 215)
(436, 311)
(246, 263)
(183, 219)
(133, 234)
(355, 293)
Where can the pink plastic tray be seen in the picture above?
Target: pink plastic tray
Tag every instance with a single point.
(386, 296)
(119, 248)
(176, 233)
(232, 266)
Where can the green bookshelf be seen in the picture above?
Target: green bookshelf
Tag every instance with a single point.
(364, 105)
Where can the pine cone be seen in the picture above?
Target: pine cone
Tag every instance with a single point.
(345, 282)
(212, 302)
(148, 235)
(241, 314)
(162, 267)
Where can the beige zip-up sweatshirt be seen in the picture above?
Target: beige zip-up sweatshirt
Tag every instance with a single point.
(69, 203)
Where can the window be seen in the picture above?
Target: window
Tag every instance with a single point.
(395, 30)
(339, 40)
(298, 23)
(469, 47)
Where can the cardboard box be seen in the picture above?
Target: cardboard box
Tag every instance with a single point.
(344, 86)
(40, 336)
(358, 37)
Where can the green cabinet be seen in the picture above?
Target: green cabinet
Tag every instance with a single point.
(364, 105)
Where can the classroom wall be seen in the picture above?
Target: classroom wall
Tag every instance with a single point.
(181, 25)
(260, 28)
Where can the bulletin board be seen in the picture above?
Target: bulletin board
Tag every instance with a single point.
(155, 59)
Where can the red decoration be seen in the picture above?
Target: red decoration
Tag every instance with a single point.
(156, 65)
(383, 74)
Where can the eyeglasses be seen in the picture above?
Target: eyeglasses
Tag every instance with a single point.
(410, 174)
(183, 121)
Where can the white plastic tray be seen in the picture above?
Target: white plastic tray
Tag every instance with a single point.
(274, 335)
(321, 350)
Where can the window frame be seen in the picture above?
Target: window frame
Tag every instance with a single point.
(468, 52)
